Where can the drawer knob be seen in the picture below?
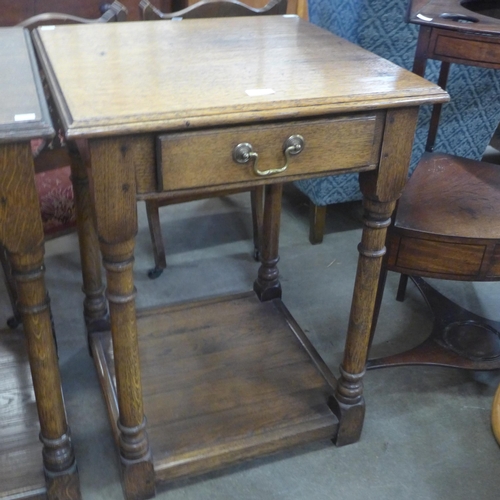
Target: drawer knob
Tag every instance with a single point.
(244, 152)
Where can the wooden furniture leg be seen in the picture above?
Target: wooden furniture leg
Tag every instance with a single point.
(350, 385)
(116, 220)
(436, 109)
(135, 455)
(153, 213)
(15, 320)
(380, 189)
(267, 285)
(317, 216)
(22, 236)
(257, 204)
(420, 61)
(419, 67)
(94, 305)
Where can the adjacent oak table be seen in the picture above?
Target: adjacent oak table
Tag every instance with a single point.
(188, 107)
(30, 407)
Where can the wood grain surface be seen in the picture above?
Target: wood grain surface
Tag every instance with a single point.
(115, 84)
(228, 379)
(21, 471)
(433, 10)
(23, 112)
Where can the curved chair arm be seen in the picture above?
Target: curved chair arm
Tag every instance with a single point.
(111, 12)
(212, 8)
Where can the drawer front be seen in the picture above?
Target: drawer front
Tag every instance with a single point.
(190, 160)
(467, 49)
(421, 256)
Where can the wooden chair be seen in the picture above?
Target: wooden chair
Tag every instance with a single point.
(51, 158)
(447, 221)
(15, 12)
(212, 8)
(296, 7)
(202, 9)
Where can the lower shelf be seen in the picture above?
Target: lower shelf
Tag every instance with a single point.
(224, 380)
(21, 468)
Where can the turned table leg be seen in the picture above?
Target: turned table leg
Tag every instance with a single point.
(381, 188)
(94, 306)
(33, 304)
(267, 285)
(135, 455)
(21, 234)
(114, 196)
(350, 384)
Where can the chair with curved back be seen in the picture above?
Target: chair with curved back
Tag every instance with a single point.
(51, 158)
(447, 222)
(203, 9)
(294, 7)
(212, 8)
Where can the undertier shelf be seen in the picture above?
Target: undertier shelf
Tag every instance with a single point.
(224, 380)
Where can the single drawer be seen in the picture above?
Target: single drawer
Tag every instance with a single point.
(188, 160)
(420, 256)
(480, 50)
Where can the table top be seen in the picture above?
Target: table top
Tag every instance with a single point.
(120, 78)
(470, 16)
(23, 111)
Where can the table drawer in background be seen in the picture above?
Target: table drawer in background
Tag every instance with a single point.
(449, 46)
(189, 160)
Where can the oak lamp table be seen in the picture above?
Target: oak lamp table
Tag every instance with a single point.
(188, 107)
(29, 406)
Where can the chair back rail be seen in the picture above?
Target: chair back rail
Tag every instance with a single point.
(213, 8)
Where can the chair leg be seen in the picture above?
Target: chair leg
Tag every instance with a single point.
(15, 320)
(403, 283)
(257, 202)
(317, 216)
(152, 211)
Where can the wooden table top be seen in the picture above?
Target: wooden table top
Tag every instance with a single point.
(470, 16)
(120, 78)
(23, 111)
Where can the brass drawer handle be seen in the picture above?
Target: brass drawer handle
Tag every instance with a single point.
(243, 153)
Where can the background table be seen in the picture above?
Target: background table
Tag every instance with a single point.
(23, 116)
(227, 378)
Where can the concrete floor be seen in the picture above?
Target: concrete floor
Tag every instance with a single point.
(427, 430)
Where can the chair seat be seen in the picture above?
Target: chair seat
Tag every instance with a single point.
(57, 204)
(447, 221)
(453, 197)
